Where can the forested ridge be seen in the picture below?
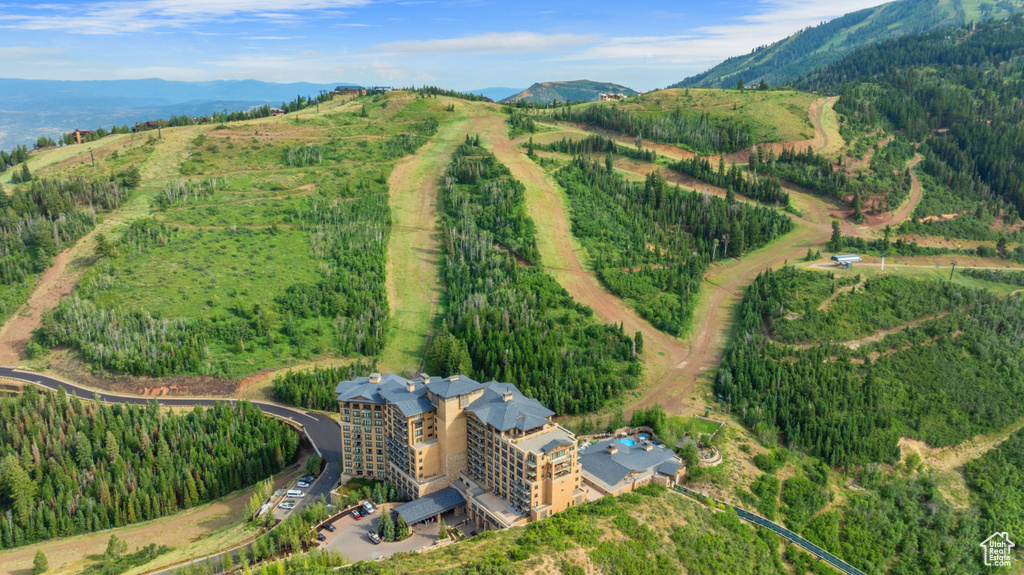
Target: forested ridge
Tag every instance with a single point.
(887, 178)
(697, 131)
(735, 181)
(510, 322)
(651, 243)
(945, 380)
(69, 466)
(801, 53)
(957, 92)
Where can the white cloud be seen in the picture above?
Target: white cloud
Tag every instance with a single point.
(708, 45)
(123, 16)
(490, 43)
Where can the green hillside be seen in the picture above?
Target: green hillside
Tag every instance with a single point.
(572, 91)
(792, 57)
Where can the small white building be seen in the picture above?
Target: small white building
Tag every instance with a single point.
(845, 260)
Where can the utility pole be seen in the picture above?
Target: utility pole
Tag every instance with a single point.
(92, 158)
(951, 271)
(159, 132)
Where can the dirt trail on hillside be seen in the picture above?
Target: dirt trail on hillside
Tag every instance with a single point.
(672, 365)
(60, 279)
(904, 212)
(947, 462)
(413, 266)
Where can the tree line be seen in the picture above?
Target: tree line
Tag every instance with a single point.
(594, 144)
(652, 243)
(39, 220)
(69, 466)
(697, 131)
(759, 188)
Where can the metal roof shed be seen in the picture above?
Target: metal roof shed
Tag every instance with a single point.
(845, 258)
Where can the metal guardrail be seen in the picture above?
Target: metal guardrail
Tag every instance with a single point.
(782, 532)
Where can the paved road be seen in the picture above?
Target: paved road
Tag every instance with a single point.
(786, 534)
(322, 431)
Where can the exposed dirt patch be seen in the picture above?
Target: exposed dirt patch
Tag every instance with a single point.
(948, 462)
(64, 365)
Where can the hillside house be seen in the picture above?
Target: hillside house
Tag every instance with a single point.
(83, 135)
(349, 92)
(610, 97)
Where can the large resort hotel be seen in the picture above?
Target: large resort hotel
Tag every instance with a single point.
(453, 443)
(460, 442)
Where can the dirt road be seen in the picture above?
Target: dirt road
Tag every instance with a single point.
(672, 365)
(60, 279)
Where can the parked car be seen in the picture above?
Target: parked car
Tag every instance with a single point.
(320, 537)
(295, 493)
(290, 502)
(374, 537)
(287, 506)
(367, 507)
(330, 527)
(302, 484)
(356, 514)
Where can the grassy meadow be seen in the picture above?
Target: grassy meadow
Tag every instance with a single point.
(265, 241)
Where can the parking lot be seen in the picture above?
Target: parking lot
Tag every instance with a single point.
(352, 537)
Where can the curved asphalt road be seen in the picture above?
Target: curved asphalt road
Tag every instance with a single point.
(323, 432)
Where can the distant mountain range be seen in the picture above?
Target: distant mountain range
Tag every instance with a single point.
(33, 108)
(495, 94)
(571, 91)
(809, 49)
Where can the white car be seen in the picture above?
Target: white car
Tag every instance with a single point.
(287, 506)
(302, 484)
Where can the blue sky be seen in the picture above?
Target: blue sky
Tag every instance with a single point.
(462, 44)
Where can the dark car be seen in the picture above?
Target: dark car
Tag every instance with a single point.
(320, 537)
(374, 537)
(330, 527)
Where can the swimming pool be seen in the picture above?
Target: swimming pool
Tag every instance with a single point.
(627, 442)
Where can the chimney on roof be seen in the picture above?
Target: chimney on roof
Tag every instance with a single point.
(453, 378)
(410, 385)
(647, 446)
(424, 378)
(374, 378)
(612, 449)
(507, 396)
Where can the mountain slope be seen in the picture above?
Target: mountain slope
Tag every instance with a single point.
(792, 57)
(572, 91)
(495, 93)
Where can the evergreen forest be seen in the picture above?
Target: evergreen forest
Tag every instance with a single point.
(69, 466)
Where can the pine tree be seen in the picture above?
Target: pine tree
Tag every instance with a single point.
(387, 527)
(39, 564)
(401, 529)
(835, 243)
(442, 530)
